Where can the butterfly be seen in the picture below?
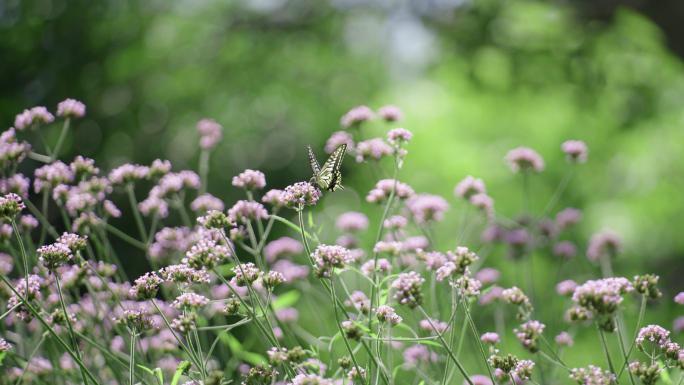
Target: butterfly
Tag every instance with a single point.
(328, 177)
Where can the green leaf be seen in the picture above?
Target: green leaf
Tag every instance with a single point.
(2, 355)
(311, 222)
(286, 299)
(319, 230)
(664, 375)
(184, 366)
(148, 370)
(252, 358)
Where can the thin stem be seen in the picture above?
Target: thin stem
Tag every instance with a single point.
(30, 358)
(624, 351)
(203, 170)
(681, 378)
(446, 347)
(604, 343)
(44, 215)
(339, 328)
(60, 141)
(559, 190)
(180, 342)
(126, 237)
(23, 251)
(132, 357)
(548, 358)
(69, 326)
(642, 311)
(39, 157)
(41, 218)
(479, 342)
(130, 191)
(49, 329)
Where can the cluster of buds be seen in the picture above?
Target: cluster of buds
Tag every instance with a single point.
(647, 285)
(184, 323)
(232, 306)
(352, 330)
(602, 297)
(146, 287)
(529, 334)
(259, 374)
(408, 289)
(246, 274)
(516, 296)
(277, 356)
(214, 220)
(136, 319)
(648, 375)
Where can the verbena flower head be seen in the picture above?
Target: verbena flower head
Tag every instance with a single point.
(352, 330)
(384, 187)
(175, 182)
(17, 183)
(329, 257)
(391, 113)
(352, 221)
(566, 287)
(146, 287)
(372, 149)
(83, 166)
(575, 150)
(647, 285)
(205, 254)
(10, 205)
(79, 202)
(184, 276)
(655, 334)
(357, 374)
(159, 168)
(415, 243)
(6, 264)
(71, 108)
(492, 338)
(53, 256)
(259, 374)
(592, 375)
(185, 323)
(417, 353)
(386, 313)
(299, 194)
(273, 278)
(154, 206)
(190, 302)
(250, 180)
(488, 275)
(273, 197)
(427, 207)
(679, 298)
(207, 202)
(564, 339)
(127, 173)
(466, 286)
(648, 375)
(310, 379)
(602, 297)
(399, 136)
(529, 334)
(32, 118)
(136, 319)
(469, 186)
(606, 243)
(211, 133)
(282, 247)
(390, 248)
(245, 274)
(369, 268)
(356, 116)
(523, 369)
(287, 314)
(526, 159)
(395, 222)
(215, 220)
(11, 151)
(408, 289)
(4, 346)
(52, 175)
(564, 249)
(245, 211)
(505, 363)
(359, 301)
(568, 217)
(516, 296)
(290, 270)
(337, 139)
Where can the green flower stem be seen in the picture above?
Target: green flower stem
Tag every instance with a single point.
(126, 237)
(218, 337)
(74, 342)
(461, 339)
(604, 343)
(39, 157)
(30, 358)
(106, 353)
(44, 214)
(479, 342)
(262, 241)
(132, 356)
(130, 191)
(180, 203)
(153, 229)
(8, 312)
(681, 378)
(49, 329)
(339, 328)
(44, 143)
(526, 192)
(23, 251)
(551, 360)
(452, 335)
(293, 226)
(260, 226)
(559, 190)
(101, 236)
(548, 345)
(41, 218)
(642, 311)
(180, 342)
(257, 255)
(623, 350)
(446, 346)
(327, 287)
(203, 170)
(60, 141)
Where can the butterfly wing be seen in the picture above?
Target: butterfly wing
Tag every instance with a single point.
(329, 176)
(315, 167)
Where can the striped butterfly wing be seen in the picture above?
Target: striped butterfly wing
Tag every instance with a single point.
(315, 167)
(329, 176)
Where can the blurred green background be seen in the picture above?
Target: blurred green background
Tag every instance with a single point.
(474, 79)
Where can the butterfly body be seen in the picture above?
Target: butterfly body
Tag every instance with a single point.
(328, 177)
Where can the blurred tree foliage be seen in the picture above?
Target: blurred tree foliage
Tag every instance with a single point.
(474, 80)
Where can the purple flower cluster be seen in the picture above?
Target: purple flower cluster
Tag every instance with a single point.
(299, 194)
(564, 339)
(655, 334)
(352, 221)
(11, 205)
(391, 113)
(356, 116)
(127, 173)
(408, 289)
(384, 187)
(245, 211)
(32, 118)
(184, 276)
(329, 257)
(603, 297)
(606, 243)
(337, 139)
(71, 108)
(250, 180)
(290, 270)
(529, 334)
(146, 287)
(372, 149)
(386, 313)
(211, 133)
(205, 254)
(469, 186)
(526, 159)
(593, 375)
(54, 255)
(399, 136)
(51, 175)
(190, 302)
(11, 151)
(17, 183)
(492, 338)
(207, 202)
(427, 207)
(417, 353)
(575, 150)
(369, 268)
